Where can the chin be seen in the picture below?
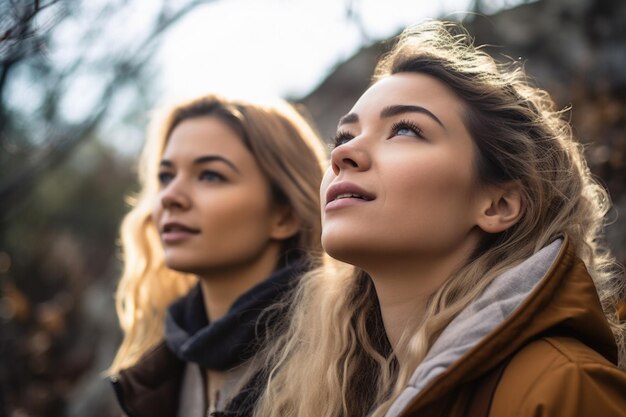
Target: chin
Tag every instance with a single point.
(344, 251)
(179, 268)
(184, 266)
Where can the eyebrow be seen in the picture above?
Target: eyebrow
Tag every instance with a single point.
(349, 118)
(203, 160)
(391, 111)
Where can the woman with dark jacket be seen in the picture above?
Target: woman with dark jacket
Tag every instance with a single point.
(226, 223)
(477, 281)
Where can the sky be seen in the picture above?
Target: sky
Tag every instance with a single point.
(266, 48)
(251, 49)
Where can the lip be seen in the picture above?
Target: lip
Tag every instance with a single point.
(346, 187)
(172, 232)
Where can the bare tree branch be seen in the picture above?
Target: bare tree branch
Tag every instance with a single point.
(62, 140)
(353, 15)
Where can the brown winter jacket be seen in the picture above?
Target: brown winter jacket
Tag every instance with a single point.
(541, 325)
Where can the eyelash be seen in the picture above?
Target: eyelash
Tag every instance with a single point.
(166, 177)
(220, 177)
(340, 138)
(343, 137)
(407, 124)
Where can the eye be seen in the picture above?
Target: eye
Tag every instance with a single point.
(406, 128)
(340, 138)
(211, 176)
(165, 177)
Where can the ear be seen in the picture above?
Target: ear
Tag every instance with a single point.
(284, 223)
(500, 208)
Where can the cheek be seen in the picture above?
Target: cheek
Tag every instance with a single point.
(437, 178)
(237, 217)
(440, 202)
(157, 211)
(433, 199)
(329, 176)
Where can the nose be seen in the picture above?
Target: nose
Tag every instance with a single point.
(173, 196)
(350, 156)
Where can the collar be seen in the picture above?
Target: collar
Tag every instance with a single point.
(234, 338)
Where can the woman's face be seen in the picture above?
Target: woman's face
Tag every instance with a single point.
(213, 210)
(400, 187)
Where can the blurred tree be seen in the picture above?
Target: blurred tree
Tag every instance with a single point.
(62, 90)
(60, 248)
(67, 68)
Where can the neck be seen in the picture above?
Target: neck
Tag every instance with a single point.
(404, 286)
(220, 288)
(400, 304)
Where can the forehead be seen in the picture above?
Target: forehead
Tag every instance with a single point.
(201, 134)
(410, 88)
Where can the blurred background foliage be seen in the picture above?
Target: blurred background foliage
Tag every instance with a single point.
(63, 186)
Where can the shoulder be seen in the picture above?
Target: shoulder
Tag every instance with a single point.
(151, 386)
(560, 376)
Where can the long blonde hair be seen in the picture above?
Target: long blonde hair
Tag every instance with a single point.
(289, 154)
(519, 136)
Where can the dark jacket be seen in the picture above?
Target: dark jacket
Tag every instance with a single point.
(152, 386)
(543, 326)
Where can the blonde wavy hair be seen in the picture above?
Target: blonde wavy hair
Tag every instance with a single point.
(519, 136)
(289, 153)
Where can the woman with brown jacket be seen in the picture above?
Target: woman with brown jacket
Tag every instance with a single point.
(226, 223)
(477, 283)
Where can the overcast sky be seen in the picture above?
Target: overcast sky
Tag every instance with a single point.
(252, 49)
(260, 48)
